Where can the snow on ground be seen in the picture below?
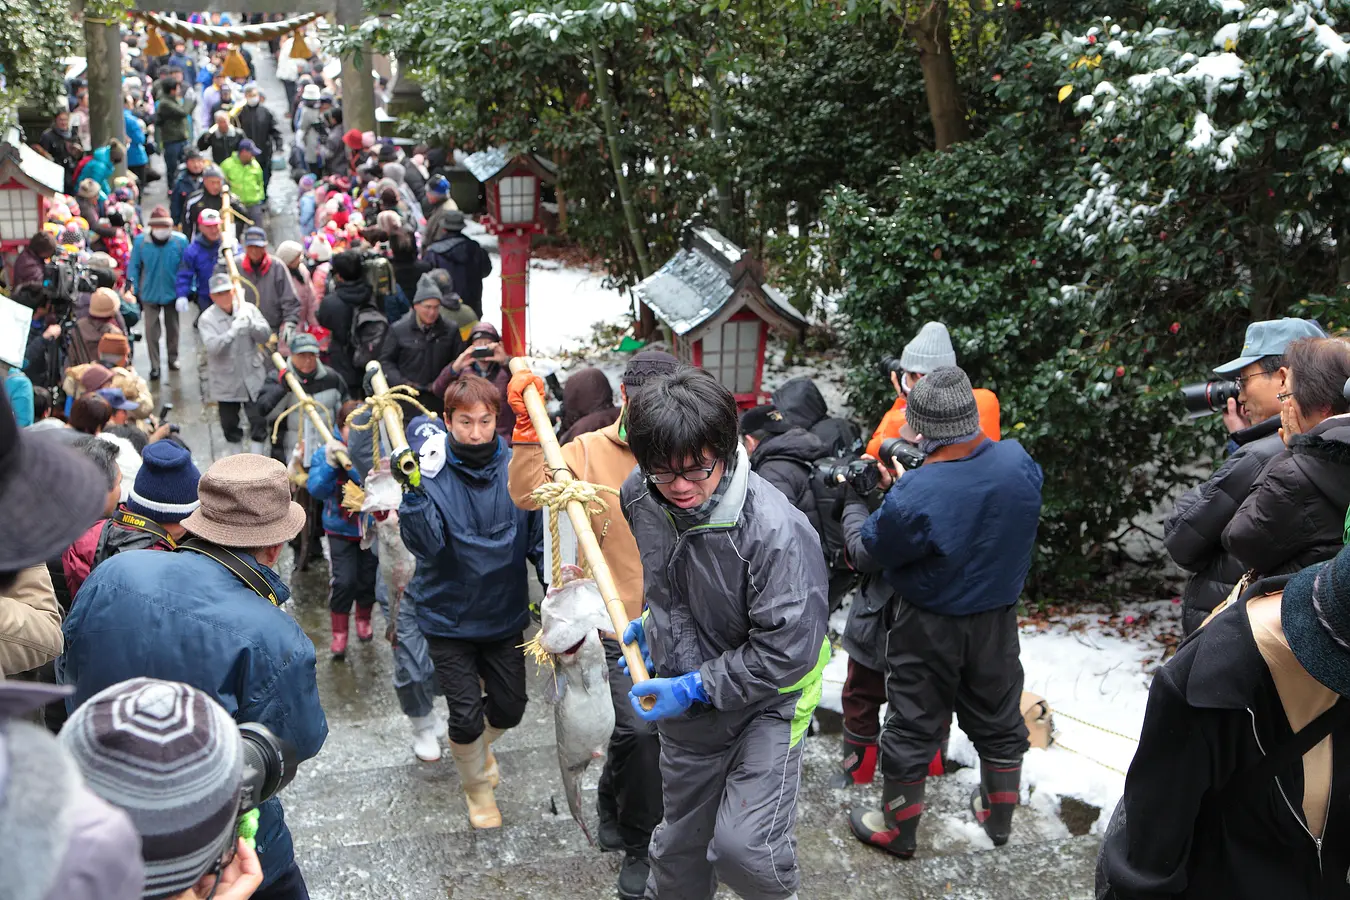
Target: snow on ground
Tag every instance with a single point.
(1096, 682)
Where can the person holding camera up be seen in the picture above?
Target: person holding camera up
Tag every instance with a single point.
(207, 615)
(169, 757)
(955, 536)
(784, 456)
(487, 358)
(1193, 533)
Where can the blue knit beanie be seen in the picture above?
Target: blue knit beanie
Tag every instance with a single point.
(439, 184)
(166, 486)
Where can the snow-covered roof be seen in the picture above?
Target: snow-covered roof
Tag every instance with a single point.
(30, 168)
(487, 164)
(693, 290)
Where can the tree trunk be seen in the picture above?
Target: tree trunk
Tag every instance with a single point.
(946, 106)
(608, 113)
(103, 55)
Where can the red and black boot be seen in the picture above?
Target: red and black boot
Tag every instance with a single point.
(364, 631)
(995, 799)
(895, 827)
(339, 646)
(860, 762)
(937, 767)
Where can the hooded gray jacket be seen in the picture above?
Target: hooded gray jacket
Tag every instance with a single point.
(742, 598)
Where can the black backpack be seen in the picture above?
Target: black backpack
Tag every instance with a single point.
(369, 327)
(830, 500)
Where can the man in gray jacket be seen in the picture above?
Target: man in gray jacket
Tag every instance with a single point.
(231, 331)
(1192, 533)
(276, 292)
(736, 591)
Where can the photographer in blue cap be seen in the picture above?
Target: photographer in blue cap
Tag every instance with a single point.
(1193, 532)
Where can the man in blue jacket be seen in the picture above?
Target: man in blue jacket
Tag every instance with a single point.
(199, 262)
(471, 587)
(153, 276)
(207, 616)
(955, 538)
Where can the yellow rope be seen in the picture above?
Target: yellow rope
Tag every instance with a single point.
(555, 495)
(1064, 746)
(1059, 713)
(306, 403)
(377, 405)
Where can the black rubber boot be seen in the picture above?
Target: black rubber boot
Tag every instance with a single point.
(633, 877)
(607, 836)
(994, 801)
(895, 827)
(860, 762)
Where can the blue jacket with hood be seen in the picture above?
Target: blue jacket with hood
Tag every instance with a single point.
(471, 543)
(194, 272)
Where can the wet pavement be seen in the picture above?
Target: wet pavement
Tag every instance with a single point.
(370, 821)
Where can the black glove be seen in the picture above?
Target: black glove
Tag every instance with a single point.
(368, 382)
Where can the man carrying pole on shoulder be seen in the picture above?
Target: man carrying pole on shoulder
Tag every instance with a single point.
(629, 794)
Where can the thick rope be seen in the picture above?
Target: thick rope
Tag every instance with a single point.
(555, 495)
(305, 404)
(377, 405)
(221, 34)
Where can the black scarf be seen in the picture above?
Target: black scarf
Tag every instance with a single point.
(475, 456)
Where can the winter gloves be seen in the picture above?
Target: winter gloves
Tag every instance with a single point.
(515, 395)
(673, 695)
(636, 633)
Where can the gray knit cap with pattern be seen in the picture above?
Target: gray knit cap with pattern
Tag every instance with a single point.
(942, 407)
(930, 349)
(171, 758)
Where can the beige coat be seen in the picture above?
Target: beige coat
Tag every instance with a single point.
(599, 457)
(30, 622)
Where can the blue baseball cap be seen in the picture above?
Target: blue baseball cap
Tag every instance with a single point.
(118, 400)
(1270, 338)
(439, 184)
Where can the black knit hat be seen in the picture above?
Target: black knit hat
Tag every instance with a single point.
(942, 406)
(647, 364)
(1315, 614)
(765, 419)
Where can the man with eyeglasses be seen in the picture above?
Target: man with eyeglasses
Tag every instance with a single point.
(736, 591)
(1193, 532)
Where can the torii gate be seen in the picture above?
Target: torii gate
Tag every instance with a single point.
(103, 53)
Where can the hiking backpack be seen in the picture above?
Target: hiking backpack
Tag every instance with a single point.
(369, 327)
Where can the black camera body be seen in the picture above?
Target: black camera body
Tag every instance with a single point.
(1205, 397)
(269, 765)
(903, 452)
(63, 279)
(860, 474)
(891, 364)
(378, 273)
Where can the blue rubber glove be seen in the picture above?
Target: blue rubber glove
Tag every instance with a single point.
(673, 696)
(636, 632)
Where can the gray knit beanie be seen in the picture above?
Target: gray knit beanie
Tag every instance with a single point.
(942, 407)
(171, 758)
(646, 365)
(427, 289)
(930, 349)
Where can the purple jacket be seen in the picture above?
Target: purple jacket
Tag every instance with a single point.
(194, 272)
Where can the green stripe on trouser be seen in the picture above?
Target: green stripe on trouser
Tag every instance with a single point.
(810, 685)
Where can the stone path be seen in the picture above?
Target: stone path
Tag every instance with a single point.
(372, 822)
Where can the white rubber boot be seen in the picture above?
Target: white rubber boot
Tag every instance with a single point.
(425, 742)
(494, 774)
(470, 760)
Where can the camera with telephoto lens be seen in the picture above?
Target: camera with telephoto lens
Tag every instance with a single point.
(378, 273)
(908, 456)
(269, 765)
(1207, 397)
(860, 474)
(891, 364)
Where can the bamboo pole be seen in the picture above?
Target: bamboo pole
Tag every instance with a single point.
(400, 454)
(315, 419)
(581, 524)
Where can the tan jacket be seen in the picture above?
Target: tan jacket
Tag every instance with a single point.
(599, 457)
(30, 622)
(133, 387)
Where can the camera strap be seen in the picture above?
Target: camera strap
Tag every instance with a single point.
(128, 519)
(236, 564)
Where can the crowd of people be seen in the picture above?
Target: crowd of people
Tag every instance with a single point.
(144, 634)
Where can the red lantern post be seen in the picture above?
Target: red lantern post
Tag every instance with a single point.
(513, 189)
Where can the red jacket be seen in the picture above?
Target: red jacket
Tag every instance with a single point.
(79, 557)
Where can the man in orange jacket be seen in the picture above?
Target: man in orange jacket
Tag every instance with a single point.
(865, 686)
(931, 347)
(629, 796)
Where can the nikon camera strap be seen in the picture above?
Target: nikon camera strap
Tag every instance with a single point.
(128, 519)
(236, 564)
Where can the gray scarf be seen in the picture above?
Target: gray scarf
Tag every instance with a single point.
(697, 515)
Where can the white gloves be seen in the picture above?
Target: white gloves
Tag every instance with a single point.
(330, 451)
(181, 304)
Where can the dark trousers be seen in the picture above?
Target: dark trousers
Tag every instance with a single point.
(938, 664)
(478, 679)
(173, 154)
(266, 162)
(290, 886)
(153, 313)
(229, 421)
(864, 693)
(630, 785)
(352, 572)
(289, 88)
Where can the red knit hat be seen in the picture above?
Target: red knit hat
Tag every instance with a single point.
(352, 139)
